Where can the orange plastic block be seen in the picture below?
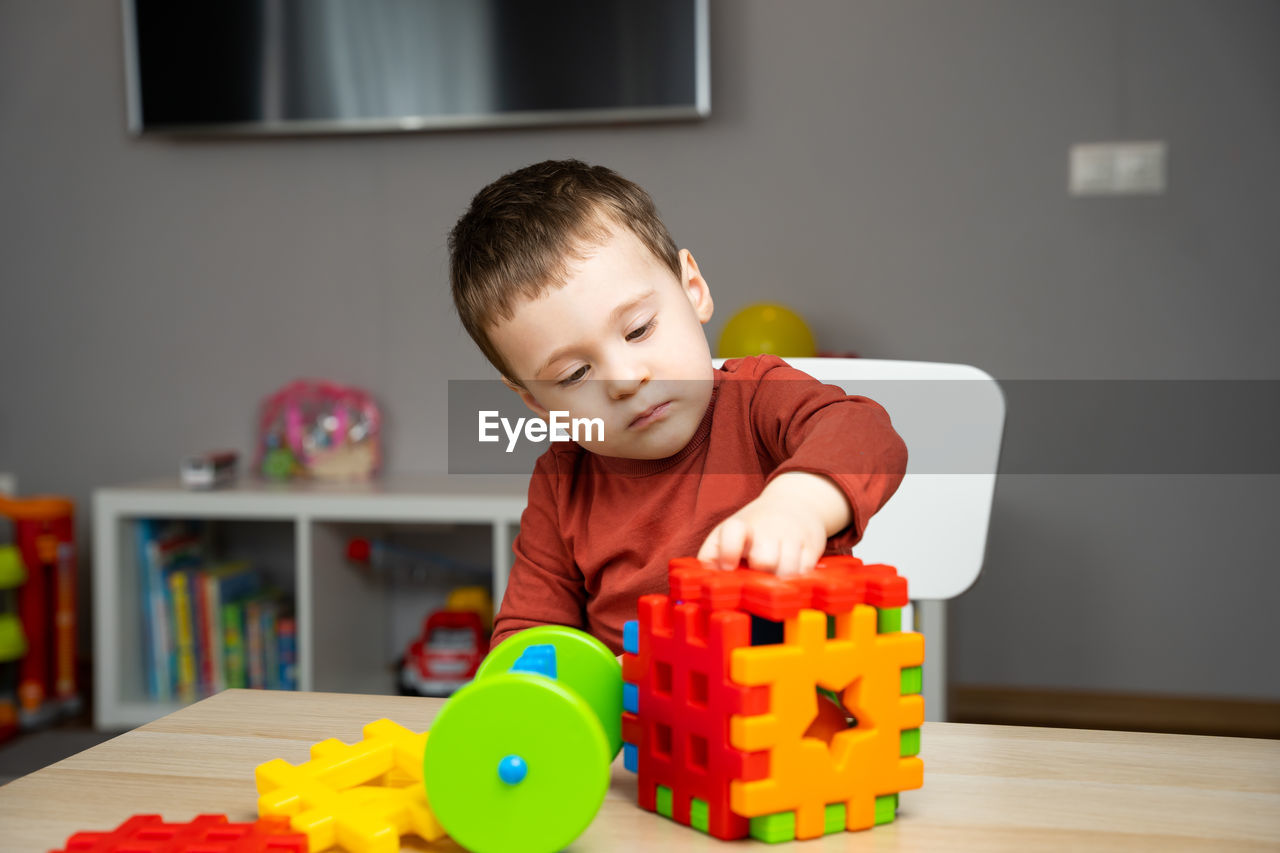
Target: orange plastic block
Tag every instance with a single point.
(362, 796)
(208, 833)
(860, 763)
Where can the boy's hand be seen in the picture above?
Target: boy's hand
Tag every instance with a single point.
(783, 531)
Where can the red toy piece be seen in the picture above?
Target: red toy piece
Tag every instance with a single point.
(446, 656)
(836, 584)
(208, 833)
(692, 695)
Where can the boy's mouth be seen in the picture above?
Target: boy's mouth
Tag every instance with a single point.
(650, 415)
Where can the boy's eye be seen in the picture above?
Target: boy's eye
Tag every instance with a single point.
(573, 378)
(637, 334)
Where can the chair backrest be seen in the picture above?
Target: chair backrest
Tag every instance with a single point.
(951, 416)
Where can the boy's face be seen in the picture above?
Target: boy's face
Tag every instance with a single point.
(622, 341)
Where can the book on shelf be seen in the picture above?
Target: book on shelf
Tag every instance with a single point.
(271, 647)
(255, 652)
(211, 625)
(233, 644)
(242, 643)
(164, 546)
(183, 656)
(261, 641)
(220, 586)
(287, 629)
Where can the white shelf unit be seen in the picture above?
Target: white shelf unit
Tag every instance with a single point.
(346, 621)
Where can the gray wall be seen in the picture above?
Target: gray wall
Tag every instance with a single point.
(895, 171)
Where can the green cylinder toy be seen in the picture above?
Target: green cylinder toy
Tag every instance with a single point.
(519, 759)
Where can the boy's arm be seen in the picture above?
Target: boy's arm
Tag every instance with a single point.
(544, 587)
(838, 461)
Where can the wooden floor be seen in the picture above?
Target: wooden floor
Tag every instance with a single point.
(1082, 709)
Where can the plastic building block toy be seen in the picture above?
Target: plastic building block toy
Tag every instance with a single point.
(519, 759)
(44, 533)
(13, 640)
(208, 833)
(362, 796)
(774, 708)
(531, 740)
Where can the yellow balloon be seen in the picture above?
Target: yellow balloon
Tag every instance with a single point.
(766, 328)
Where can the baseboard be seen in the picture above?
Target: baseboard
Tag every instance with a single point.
(1082, 709)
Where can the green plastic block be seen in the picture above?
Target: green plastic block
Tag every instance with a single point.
(912, 679)
(664, 801)
(889, 620)
(834, 818)
(886, 808)
(698, 814)
(909, 743)
(774, 827)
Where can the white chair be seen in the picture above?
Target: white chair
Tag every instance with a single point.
(934, 529)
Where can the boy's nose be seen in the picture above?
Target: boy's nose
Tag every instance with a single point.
(626, 381)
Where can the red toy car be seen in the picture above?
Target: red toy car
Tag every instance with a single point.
(446, 656)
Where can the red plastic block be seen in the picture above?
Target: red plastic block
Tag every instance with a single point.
(631, 670)
(686, 703)
(836, 584)
(208, 833)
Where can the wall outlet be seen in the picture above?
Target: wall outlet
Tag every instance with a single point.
(1117, 168)
(8, 484)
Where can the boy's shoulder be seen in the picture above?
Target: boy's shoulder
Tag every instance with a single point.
(761, 367)
(561, 457)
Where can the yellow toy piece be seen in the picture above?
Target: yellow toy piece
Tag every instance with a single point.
(860, 763)
(362, 796)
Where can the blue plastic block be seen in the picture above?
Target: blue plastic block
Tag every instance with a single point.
(630, 698)
(540, 659)
(631, 757)
(631, 637)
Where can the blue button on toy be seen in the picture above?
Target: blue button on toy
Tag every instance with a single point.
(512, 769)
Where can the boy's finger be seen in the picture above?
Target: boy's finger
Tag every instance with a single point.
(809, 558)
(712, 550)
(765, 554)
(789, 559)
(733, 543)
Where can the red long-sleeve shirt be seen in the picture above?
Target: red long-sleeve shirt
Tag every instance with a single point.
(598, 532)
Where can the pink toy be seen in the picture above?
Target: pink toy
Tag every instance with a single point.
(316, 428)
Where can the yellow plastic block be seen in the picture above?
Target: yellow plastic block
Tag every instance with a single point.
(860, 763)
(362, 796)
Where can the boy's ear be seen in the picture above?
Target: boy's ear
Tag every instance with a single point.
(695, 287)
(527, 398)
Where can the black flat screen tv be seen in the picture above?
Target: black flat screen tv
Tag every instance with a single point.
(339, 66)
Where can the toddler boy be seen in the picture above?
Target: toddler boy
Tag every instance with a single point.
(568, 281)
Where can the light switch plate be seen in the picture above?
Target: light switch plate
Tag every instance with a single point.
(1118, 168)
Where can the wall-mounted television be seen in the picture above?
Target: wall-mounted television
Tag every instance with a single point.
(340, 66)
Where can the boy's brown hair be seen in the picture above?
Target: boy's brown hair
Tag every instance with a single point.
(515, 240)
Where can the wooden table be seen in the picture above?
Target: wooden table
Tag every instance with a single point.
(986, 787)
